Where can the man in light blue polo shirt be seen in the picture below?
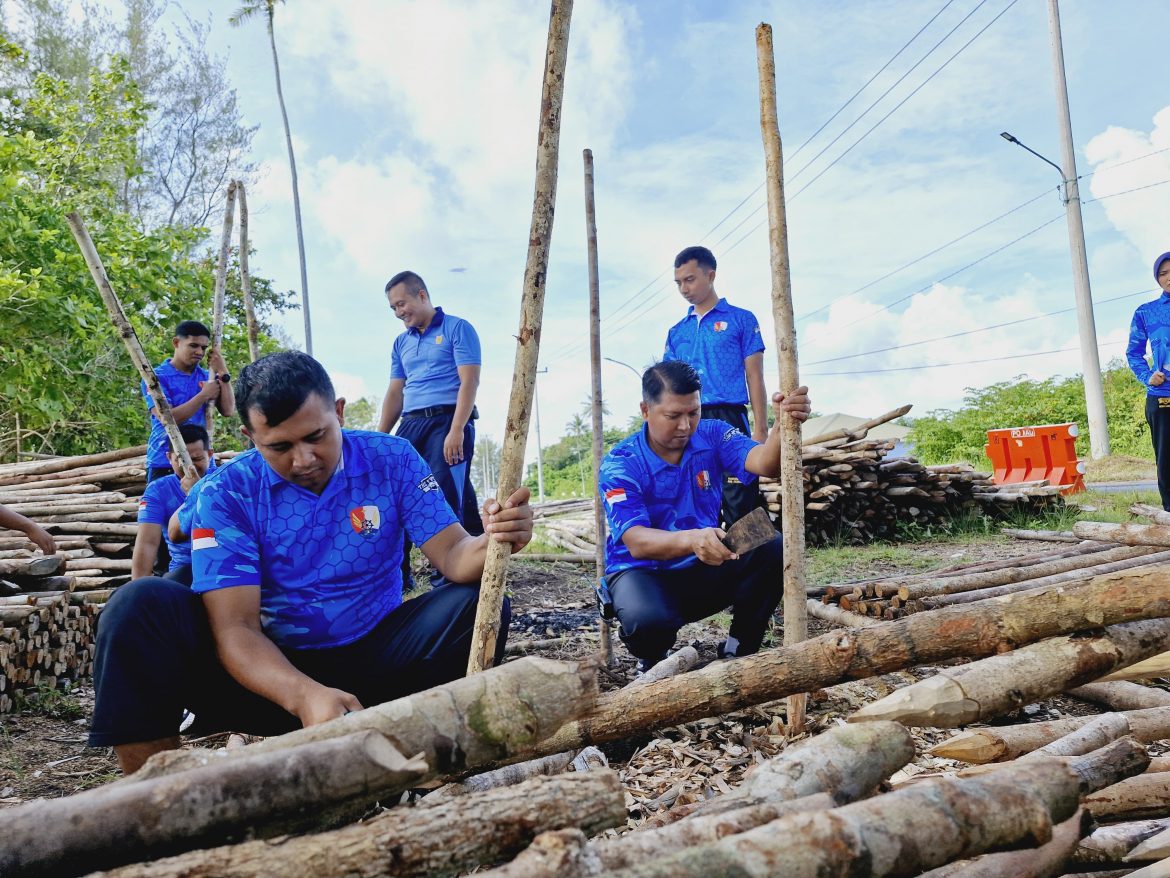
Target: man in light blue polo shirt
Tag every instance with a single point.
(296, 614)
(434, 375)
(666, 564)
(725, 346)
(1151, 325)
(188, 388)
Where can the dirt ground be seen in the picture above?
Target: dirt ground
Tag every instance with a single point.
(43, 751)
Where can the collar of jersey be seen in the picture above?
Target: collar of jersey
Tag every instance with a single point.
(436, 322)
(656, 464)
(720, 305)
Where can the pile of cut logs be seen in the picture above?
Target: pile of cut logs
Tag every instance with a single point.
(1078, 794)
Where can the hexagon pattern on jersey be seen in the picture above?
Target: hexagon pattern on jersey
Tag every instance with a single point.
(716, 347)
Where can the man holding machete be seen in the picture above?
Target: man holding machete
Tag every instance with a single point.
(666, 560)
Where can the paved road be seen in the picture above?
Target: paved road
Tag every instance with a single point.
(1122, 487)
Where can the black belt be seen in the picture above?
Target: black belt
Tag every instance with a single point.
(437, 410)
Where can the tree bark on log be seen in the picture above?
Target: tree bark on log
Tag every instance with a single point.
(833, 613)
(900, 833)
(677, 663)
(1135, 798)
(438, 840)
(962, 632)
(1156, 847)
(466, 723)
(1048, 536)
(45, 566)
(791, 475)
(1155, 666)
(1096, 733)
(1126, 534)
(263, 794)
(1154, 870)
(130, 340)
(509, 775)
(491, 590)
(993, 686)
(1154, 513)
(246, 278)
(1046, 861)
(1004, 743)
(1122, 695)
(62, 464)
(225, 249)
(1110, 845)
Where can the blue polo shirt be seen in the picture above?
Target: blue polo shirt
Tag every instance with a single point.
(640, 488)
(178, 388)
(716, 345)
(428, 361)
(327, 566)
(1151, 324)
(156, 506)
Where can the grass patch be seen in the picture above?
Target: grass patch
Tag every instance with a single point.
(1112, 507)
(1120, 468)
(48, 702)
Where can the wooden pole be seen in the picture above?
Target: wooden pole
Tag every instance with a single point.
(129, 339)
(225, 249)
(595, 368)
(246, 277)
(491, 591)
(791, 477)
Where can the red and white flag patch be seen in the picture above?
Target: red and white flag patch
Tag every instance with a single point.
(615, 495)
(203, 538)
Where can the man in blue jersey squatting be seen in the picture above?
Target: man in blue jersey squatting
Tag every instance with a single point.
(666, 564)
(296, 614)
(159, 502)
(724, 345)
(189, 388)
(1151, 324)
(434, 375)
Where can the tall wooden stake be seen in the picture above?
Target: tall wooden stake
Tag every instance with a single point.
(595, 367)
(246, 277)
(129, 338)
(225, 249)
(791, 479)
(491, 592)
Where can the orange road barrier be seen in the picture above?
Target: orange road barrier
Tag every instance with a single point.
(1026, 454)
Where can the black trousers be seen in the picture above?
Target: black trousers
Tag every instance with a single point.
(652, 605)
(1158, 417)
(426, 434)
(156, 656)
(738, 499)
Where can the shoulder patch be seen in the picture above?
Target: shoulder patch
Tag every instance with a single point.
(615, 495)
(430, 483)
(732, 432)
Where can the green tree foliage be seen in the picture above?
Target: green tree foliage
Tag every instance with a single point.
(945, 436)
(361, 414)
(64, 376)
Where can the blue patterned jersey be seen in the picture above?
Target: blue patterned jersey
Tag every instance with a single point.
(716, 346)
(1151, 324)
(640, 488)
(187, 510)
(156, 506)
(327, 566)
(429, 361)
(178, 388)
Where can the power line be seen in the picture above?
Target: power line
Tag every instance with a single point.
(948, 365)
(954, 335)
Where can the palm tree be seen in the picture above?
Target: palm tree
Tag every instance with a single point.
(249, 10)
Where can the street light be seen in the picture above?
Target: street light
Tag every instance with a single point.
(627, 365)
(1086, 324)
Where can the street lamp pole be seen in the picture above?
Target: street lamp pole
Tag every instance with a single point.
(1070, 195)
(627, 365)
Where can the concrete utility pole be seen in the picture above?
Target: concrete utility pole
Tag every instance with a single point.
(1090, 360)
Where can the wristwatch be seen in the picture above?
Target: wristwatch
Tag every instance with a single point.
(225, 377)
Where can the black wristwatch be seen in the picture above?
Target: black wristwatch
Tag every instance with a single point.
(225, 377)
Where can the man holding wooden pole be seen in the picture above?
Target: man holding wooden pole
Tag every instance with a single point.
(725, 346)
(666, 561)
(188, 387)
(296, 614)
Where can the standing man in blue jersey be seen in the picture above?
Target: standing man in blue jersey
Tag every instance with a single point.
(1151, 325)
(296, 615)
(666, 563)
(724, 345)
(434, 375)
(188, 387)
(160, 501)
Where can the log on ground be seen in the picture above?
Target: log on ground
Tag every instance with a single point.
(1122, 695)
(1046, 861)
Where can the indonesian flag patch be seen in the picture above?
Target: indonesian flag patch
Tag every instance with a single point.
(203, 538)
(365, 519)
(615, 495)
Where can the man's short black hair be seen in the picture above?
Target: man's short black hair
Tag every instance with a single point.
(413, 282)
(191, 328)
(279, 384)
(673, 376)
(704, 257)
(191, 433)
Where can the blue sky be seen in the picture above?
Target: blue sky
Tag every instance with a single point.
(415, 128)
